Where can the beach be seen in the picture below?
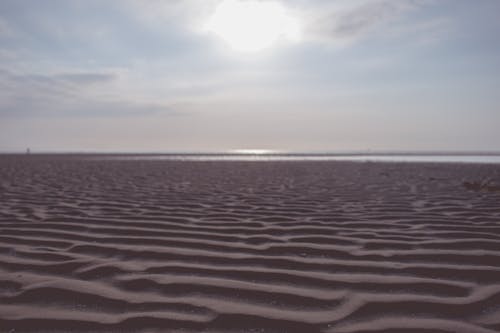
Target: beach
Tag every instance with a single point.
(101, 244)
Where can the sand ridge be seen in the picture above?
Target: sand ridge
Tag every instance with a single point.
(185, 246)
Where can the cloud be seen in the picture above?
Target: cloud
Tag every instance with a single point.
(368, 16)
(69, 94)
(86, 78)
(352, 22)
(48, 85)
(5, 29)
(337, 21)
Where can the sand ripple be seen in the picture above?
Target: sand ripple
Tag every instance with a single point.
(96, 245)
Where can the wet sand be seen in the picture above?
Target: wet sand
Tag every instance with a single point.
(171, 246)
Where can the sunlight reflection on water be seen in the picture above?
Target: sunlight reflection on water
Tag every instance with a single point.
(264, 156)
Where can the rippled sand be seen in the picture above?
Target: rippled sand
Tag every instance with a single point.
(170, 246)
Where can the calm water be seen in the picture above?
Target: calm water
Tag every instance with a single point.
(495, 159)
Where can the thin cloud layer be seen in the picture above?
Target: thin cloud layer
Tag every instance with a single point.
(68, 94)
(405, 61)
(336, 22)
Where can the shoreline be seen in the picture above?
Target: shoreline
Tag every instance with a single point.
(462, 158)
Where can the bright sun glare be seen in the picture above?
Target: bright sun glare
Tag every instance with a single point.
(252, 25)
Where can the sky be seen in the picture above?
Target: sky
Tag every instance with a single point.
(219, 75)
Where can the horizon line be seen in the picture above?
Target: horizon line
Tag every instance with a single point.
(263, 152)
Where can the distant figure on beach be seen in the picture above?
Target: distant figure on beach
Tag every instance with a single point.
(28, 151)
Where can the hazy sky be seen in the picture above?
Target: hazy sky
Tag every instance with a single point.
(307, 75)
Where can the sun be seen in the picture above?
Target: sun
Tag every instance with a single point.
(252, 25)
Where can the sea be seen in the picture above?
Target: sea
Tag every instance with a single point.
(489, 158)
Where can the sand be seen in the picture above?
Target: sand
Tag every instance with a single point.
(170, 246)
